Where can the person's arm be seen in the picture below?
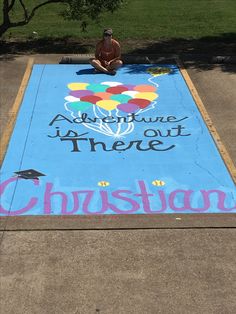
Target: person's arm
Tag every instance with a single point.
(98, 50)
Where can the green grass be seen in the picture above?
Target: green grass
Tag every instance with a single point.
(138, 19)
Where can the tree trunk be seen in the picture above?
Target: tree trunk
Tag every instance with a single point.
(6, 20)
(6, 8)
(3, 28)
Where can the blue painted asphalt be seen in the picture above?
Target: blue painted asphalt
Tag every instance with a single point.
(110, 156)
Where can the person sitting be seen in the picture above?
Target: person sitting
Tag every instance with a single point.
(107, 55)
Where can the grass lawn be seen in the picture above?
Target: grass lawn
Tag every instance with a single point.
(138, 19)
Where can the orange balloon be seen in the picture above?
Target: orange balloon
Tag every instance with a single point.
(145, 88)
(103, 95)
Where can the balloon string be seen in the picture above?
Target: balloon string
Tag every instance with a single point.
(105, 115)
(105, 126)
(101, 112)
(100, 127)
(152, 106)
(96, 126)
(129, 129)
(97, 129)
(154, 83)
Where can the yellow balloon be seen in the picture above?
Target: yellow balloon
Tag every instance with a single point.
(148, 96)
(107, 104)
(77, 86)
(159, 71)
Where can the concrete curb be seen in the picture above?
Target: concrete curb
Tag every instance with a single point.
(106, 222)
(153, 58)
(128, 59)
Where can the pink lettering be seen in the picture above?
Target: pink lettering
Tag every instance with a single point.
(47, 200)
(145, 196)
(117, 194)
(178, 200)
(87, 201)
(221, 199)
(187, 201)
(10, 212)
(145, 199)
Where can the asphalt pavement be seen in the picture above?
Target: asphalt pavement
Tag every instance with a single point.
(138, 271)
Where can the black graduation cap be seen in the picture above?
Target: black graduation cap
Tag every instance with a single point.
(29, 174)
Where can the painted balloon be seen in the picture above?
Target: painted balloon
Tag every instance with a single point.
(157, 71)
(107, 101)
(112, 95)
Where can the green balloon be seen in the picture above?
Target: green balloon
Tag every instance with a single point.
(121, 98)
(80, 105)
(97, 88)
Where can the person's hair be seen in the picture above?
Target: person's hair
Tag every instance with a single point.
(107, 32)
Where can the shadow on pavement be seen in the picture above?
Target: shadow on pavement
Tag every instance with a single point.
(204, 53)
(143, 68)
(47, 45)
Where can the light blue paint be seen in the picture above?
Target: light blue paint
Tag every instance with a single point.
(193, 164)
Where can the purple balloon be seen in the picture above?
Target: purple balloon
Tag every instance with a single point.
(129, 86)
(81, 93)
(128, 107)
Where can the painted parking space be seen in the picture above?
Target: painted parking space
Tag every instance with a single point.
(92, 144)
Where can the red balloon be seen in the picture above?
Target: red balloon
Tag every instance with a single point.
(117, 89)
(91, 98)
(142, 103)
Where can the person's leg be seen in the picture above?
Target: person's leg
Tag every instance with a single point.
(115, 65)
(97, 65)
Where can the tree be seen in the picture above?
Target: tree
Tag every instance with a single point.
(82, 10)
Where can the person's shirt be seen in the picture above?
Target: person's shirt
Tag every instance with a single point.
(107, 55)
